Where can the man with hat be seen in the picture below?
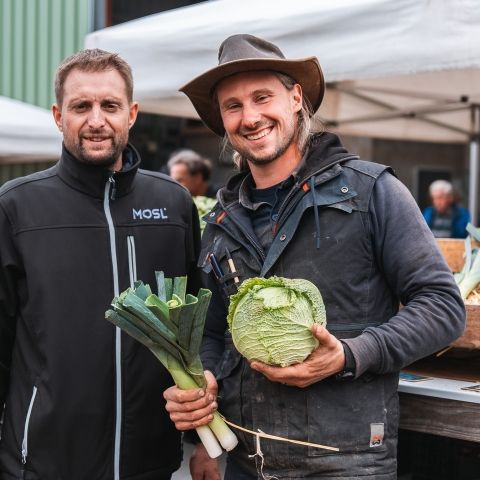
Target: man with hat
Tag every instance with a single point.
(302, 206)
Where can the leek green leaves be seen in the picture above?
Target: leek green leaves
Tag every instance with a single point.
(171, 325)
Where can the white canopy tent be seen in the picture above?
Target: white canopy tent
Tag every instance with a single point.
(27, 133)
(406, 69)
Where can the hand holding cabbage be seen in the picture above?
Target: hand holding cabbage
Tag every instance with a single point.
(326, 360)
(278, 324)
(270, 319)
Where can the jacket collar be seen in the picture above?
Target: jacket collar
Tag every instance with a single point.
(325, 151)
(91, 179)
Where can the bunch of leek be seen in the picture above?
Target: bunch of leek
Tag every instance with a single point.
(171, 326)
(469, 277)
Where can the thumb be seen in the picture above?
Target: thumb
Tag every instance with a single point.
(320, 333)
(212, 386)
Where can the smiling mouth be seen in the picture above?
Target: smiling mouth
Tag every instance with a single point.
(259, 135)
(96, 139)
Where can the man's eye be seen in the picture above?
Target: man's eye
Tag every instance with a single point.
(111, 107)
(233, 106)
(262, 98)
(80, 108)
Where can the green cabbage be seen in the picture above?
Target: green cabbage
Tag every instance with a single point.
(270, 319)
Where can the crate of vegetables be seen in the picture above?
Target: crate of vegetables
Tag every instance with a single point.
(463, 258)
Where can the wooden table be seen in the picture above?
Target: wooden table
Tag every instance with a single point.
(440, 405)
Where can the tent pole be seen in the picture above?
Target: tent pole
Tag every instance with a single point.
(473, 164)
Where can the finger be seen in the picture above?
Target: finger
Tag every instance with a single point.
(212, 386)
(191, 424)
(321, 334)
(177, 395)
(204, 414)
(205, 402)
(275, 374)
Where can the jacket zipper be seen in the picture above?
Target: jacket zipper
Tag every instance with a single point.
(132, 260)
(109, 194)
(25, 429)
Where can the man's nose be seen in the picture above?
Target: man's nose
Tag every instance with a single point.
(96, 118)
(251, 116)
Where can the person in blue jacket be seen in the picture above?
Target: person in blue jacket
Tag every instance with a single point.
(445, 218)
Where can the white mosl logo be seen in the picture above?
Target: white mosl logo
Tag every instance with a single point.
(150, 214)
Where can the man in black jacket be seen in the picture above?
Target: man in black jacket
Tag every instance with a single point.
(303, 207)
(82, 400)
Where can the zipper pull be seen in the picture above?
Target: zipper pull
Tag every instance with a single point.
(113, 187)
(24, 461)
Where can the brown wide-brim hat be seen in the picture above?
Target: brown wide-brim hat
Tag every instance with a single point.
(246, 53)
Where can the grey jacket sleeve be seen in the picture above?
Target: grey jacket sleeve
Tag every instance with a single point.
(433, 313)
(8, 302)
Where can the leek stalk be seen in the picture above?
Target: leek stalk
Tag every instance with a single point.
(171, 326)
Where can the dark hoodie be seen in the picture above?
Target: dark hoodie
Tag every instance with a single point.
(354, 230)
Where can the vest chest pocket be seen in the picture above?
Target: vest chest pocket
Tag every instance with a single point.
(227, 262)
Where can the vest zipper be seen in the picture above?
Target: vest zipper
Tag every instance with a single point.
(25, 430)
(109, 194)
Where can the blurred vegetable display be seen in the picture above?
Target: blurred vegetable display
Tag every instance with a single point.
(171, 325)
(204, 205)
(270, 319)
(468, 279)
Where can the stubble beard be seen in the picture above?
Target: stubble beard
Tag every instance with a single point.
(108, 158)
(260, 160)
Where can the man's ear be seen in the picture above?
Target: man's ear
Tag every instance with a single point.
(132, 116)
(57, 116)
(297, 97)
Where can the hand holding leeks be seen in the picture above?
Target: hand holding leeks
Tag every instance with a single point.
(171, 326)
(192, 408)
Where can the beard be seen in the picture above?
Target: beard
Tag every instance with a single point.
(105, 157)
(265, 159)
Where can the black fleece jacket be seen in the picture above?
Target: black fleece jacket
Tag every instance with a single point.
(81, 400)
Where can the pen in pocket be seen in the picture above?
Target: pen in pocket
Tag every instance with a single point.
(217, 269)
(231, 264)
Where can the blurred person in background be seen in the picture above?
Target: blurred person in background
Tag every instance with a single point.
(83, 400)
(193, 171)
(445, 218)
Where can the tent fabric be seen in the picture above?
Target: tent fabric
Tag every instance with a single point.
(414, 62)
(406, 69)
(27, 133)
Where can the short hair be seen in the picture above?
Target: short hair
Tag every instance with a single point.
(441, 186)
(194, 162)
(93, 60)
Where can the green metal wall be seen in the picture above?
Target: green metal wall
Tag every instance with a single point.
(13, 170)
(35, 36)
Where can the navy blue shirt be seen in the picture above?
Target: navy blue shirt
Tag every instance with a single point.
(264, 205)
